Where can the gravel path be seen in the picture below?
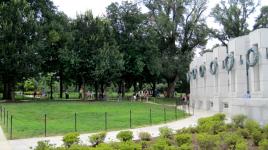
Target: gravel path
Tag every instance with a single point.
(25, 144)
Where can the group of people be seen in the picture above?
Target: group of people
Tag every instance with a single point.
(143, 94)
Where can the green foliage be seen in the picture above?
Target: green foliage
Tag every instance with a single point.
(234, 21)
(265, 131)
(183, 139)
(103, 146)
(80, 147)
(70, 139)
(128, 145)
(98, 138)
(166, 132)
(263, 145)
(187, 146)
(145, 136)
(187, 130)
(213, 125)
(207, 141)
(262, 19)
(44, 145)
(231, 139)
(124, 136)
(242, 146)
(243, 132)
(29, 85)
(257, 136)
(252, 126)
(162, 144)
(239, 120)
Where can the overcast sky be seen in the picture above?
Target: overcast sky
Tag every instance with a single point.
(98, 7)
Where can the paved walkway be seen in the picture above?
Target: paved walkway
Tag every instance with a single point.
(4, 144)
(25, 144)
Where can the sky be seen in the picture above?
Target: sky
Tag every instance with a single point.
(98, 7)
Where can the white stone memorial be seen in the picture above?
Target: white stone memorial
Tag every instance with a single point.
(233, 80)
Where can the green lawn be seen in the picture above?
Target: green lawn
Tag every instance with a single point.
(28, 118)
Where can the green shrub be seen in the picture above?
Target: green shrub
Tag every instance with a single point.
(187, 146)
(80, 147)
(98, 138)
(163, 144)
(257, 137)
(188, 130)
(43, 145)
(231, 139)
(263, 145)
(183, 139)
(265, 131)
(145, 136)
(212, 125)
(124, 136)
(104, 146)
(166, 132)
(243, 132)
(129, 145)
(207, 141)
(70, 139)
(252, 126)
(242, 146)
(239, 121)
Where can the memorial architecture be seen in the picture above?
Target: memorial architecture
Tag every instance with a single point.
(233, 79)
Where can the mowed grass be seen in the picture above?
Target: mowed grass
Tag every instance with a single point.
(28, 118)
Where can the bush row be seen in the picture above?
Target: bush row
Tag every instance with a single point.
(210, 133)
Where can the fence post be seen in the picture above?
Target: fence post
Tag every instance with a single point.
(165, 117)
(105, 121)
(7, 121)
(176, 114)
(1, 112)
(4, 116)
(75, 129)
(130, 121)
(150, 116)
(11, 126)
(45, 125)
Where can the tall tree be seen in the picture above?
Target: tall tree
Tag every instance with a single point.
(57, 38)
(18, 44)
(135, 42)
(181, 28)
(232, 15)
(262, 19)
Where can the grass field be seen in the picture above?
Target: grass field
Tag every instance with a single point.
(28, 118)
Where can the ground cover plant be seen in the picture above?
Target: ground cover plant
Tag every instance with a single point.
(29, 118)
(200, 137)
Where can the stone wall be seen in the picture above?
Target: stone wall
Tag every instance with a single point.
(225, 89)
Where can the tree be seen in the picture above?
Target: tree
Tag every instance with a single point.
(232, 16)
(181, 28)
(135, 40)
(18, 34)
(262, 19)
(58, 36)
(96, 56)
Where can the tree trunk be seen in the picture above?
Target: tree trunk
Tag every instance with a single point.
(123, 89)
(96, 91)
(61, 84)
(154, 89)
(8, 93)
(83, 89)
(135, 87)
(171, 87)
(51, 87)
(102, 91)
